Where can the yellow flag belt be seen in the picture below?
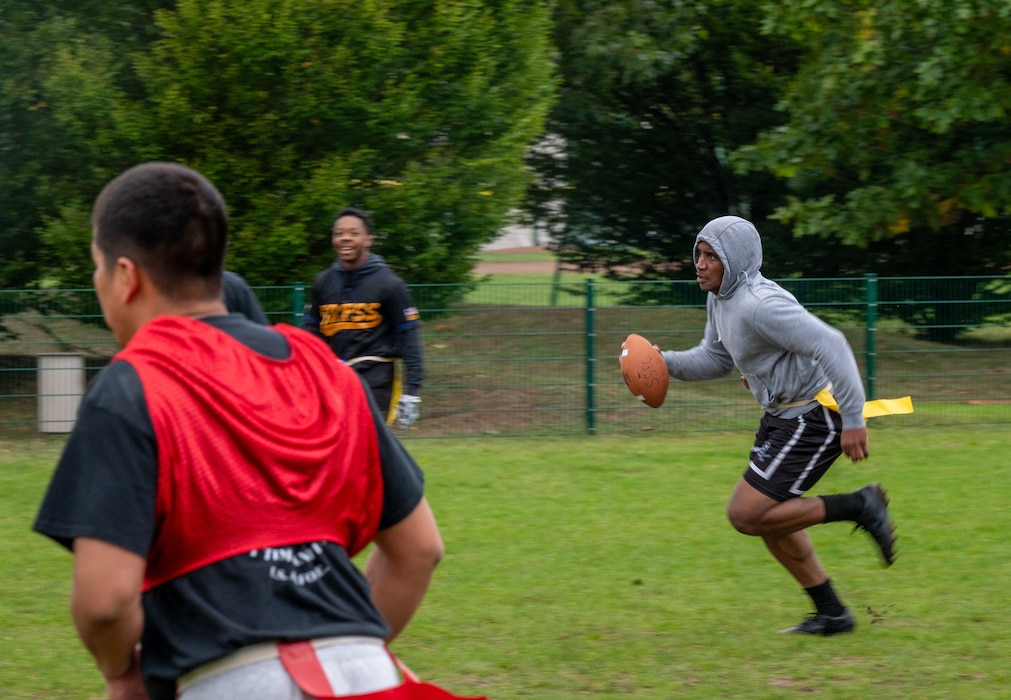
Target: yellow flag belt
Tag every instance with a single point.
(872, 409)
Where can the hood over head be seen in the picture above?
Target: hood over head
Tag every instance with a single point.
(739, 247)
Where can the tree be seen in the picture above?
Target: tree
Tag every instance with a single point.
(419, 112)
(897, 144)
(57, 64)
(654, 99)
(897, 140)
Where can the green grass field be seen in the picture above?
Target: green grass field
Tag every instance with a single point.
(603, 567)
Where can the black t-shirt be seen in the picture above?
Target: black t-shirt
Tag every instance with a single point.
(104, 488)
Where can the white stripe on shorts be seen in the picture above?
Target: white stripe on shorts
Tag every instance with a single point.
(829, 438)
(774, 464)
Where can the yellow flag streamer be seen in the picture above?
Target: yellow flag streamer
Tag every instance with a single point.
(872, 409)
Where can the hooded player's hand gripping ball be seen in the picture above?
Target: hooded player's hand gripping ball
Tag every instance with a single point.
(644, 371)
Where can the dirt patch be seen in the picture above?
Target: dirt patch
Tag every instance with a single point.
(510, 267)
(514, 268)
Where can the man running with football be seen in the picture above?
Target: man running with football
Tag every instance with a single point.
(803, 373)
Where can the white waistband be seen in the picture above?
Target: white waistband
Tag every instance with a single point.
(255, 653)
(369, 358)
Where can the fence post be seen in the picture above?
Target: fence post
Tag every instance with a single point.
(871, 331)
(297, 302)
(591, 358)
(556, 279)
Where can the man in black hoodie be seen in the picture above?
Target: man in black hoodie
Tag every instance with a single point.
(363, 310)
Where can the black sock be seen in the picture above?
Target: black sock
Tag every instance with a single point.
(825, 600)
(842, 506)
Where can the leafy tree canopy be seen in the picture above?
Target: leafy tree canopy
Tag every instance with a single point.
(654, 99)
(898, 138)
(879, 127)
(418, 112)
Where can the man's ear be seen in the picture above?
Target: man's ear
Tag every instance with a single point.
(130, 279)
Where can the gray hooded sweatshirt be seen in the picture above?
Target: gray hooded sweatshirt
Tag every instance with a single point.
(785, 353)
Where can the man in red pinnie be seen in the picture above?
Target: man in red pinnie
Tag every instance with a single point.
(214, 490)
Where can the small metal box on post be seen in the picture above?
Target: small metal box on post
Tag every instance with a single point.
(61, 382)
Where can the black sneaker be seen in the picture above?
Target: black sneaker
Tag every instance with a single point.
(824, 625)
(874, 519)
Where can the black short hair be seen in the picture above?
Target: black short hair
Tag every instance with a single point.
(170, 220)
(359, 213)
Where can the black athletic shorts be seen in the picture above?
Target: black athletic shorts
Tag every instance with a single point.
(791, 454)
(379, 376)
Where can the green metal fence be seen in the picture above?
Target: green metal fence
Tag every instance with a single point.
(541, 359)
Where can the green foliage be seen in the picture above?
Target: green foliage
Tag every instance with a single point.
(38, 159)
(654, 99)
(898, 138)
(879, 127)
(419, 112)
(61, 76)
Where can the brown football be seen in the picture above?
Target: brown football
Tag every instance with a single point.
(644, 371)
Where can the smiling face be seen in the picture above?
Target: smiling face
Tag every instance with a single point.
(708, 269)
(351, 239)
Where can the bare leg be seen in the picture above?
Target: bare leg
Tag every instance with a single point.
(796, 554)
(781, 525)
(754, 513)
